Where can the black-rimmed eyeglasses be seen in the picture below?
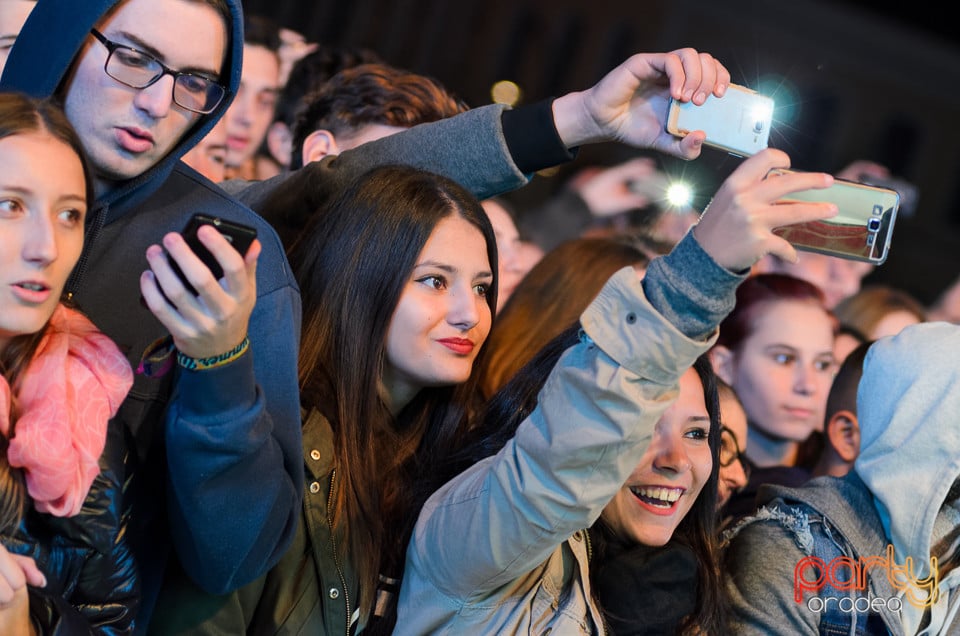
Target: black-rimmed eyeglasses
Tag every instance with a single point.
(730, 450)
(137, 69)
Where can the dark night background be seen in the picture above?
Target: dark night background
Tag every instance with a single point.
(851, 79)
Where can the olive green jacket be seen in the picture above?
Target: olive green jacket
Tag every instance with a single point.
(309, 591)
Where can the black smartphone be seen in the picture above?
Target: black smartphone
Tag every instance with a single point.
(861, 231)
(239, 235)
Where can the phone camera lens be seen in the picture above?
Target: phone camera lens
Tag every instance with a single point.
(758, 126)
(873, 225)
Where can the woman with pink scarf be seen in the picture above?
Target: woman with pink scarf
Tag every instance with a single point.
(64, 567)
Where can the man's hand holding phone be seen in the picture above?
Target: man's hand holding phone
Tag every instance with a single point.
(215, 319)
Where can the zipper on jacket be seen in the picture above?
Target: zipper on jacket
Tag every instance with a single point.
(333, 540)
(92, 232)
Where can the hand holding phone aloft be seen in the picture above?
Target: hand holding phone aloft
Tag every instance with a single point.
(737, 227)
(861, 231)
(739, 122)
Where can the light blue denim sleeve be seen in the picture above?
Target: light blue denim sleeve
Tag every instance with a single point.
(690, 289)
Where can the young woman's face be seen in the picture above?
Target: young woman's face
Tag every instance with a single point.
(783, 370)
(665, 484)
(443, 317)
(42, 209)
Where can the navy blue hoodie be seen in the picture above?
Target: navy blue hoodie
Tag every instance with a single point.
(215, 476)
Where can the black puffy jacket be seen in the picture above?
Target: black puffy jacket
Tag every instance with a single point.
(92, 583)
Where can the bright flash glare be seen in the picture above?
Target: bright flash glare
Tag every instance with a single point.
(762, 113)
(679, 195)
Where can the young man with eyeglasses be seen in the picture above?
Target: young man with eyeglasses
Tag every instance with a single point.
(215, 469)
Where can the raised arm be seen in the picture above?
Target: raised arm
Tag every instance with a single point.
(597, 409)
(493, 149)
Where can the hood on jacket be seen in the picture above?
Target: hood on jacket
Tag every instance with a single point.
(52, 36)
(909, 404)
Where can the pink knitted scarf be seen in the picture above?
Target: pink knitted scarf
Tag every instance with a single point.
(72, 387)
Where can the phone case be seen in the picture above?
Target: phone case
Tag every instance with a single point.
(862, 230)
(738, 123)
(239, 235)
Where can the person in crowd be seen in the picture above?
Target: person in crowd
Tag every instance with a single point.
(499, 546)
(357, 105)
(897, 511)
(549, 298)
(629, 549)
(776, 350)
(841, 430)
(251, 112)
(65, 567)
(653, 561)
(213, 421)
(306, 75)
(364, 103)
(209, 156)
(13, 13)
(510, 272)
(630, 552)
(880, 310)
(734, 468)
(510, 265)
(493, 149)
(847, 339)
(673, 559)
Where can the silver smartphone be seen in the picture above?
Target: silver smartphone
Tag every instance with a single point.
(739, 122)
(861, 230)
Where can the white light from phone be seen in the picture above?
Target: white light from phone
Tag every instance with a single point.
(761, 115)
(679, 195)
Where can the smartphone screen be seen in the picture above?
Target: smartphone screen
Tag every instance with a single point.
(739, 122)
(862, 230)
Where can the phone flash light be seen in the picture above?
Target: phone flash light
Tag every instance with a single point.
(761, 114)
(679, 195)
